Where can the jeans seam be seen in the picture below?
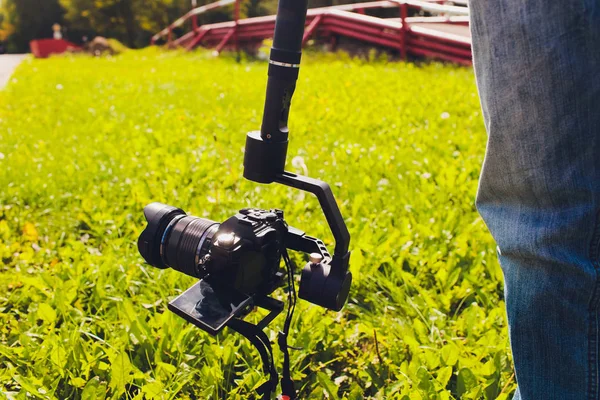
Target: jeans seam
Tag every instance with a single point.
(593, 315)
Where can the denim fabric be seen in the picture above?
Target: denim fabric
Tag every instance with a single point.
(537, 64)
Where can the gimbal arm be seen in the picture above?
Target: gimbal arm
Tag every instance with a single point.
(328, 204)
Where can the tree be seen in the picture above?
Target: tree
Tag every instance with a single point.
(6, 29)
(110, 18)
(25, 20)
(130, 21)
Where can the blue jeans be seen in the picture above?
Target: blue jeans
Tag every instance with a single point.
(537, 64)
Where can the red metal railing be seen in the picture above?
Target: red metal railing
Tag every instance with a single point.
(443, 36)
(193, 16)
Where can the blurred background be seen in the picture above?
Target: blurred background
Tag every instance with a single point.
(132, 22)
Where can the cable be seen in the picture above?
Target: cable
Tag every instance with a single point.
(287, 384)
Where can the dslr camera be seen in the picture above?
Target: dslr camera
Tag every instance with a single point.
(238, 263)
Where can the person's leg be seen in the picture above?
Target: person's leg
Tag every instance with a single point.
(537, 64)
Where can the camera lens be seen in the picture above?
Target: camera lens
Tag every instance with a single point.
(175, 239)
(185, 241)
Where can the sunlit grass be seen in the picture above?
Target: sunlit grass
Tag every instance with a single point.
(85, 143)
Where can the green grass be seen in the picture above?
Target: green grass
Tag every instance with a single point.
(86, 143)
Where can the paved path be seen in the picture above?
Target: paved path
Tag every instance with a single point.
(8, 63)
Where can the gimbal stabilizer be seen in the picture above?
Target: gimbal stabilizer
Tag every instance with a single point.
(238, 261)
(328, 283)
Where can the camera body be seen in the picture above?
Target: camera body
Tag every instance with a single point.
(243, 253)
(246, 251)
(237, 261)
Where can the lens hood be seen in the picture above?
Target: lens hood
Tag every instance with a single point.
(158, 216)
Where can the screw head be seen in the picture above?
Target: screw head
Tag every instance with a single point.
(315, 258)
(226, 240)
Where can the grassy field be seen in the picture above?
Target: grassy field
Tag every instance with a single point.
(86, 143)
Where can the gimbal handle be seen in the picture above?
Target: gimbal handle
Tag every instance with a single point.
(266, 150)
(284, 66)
